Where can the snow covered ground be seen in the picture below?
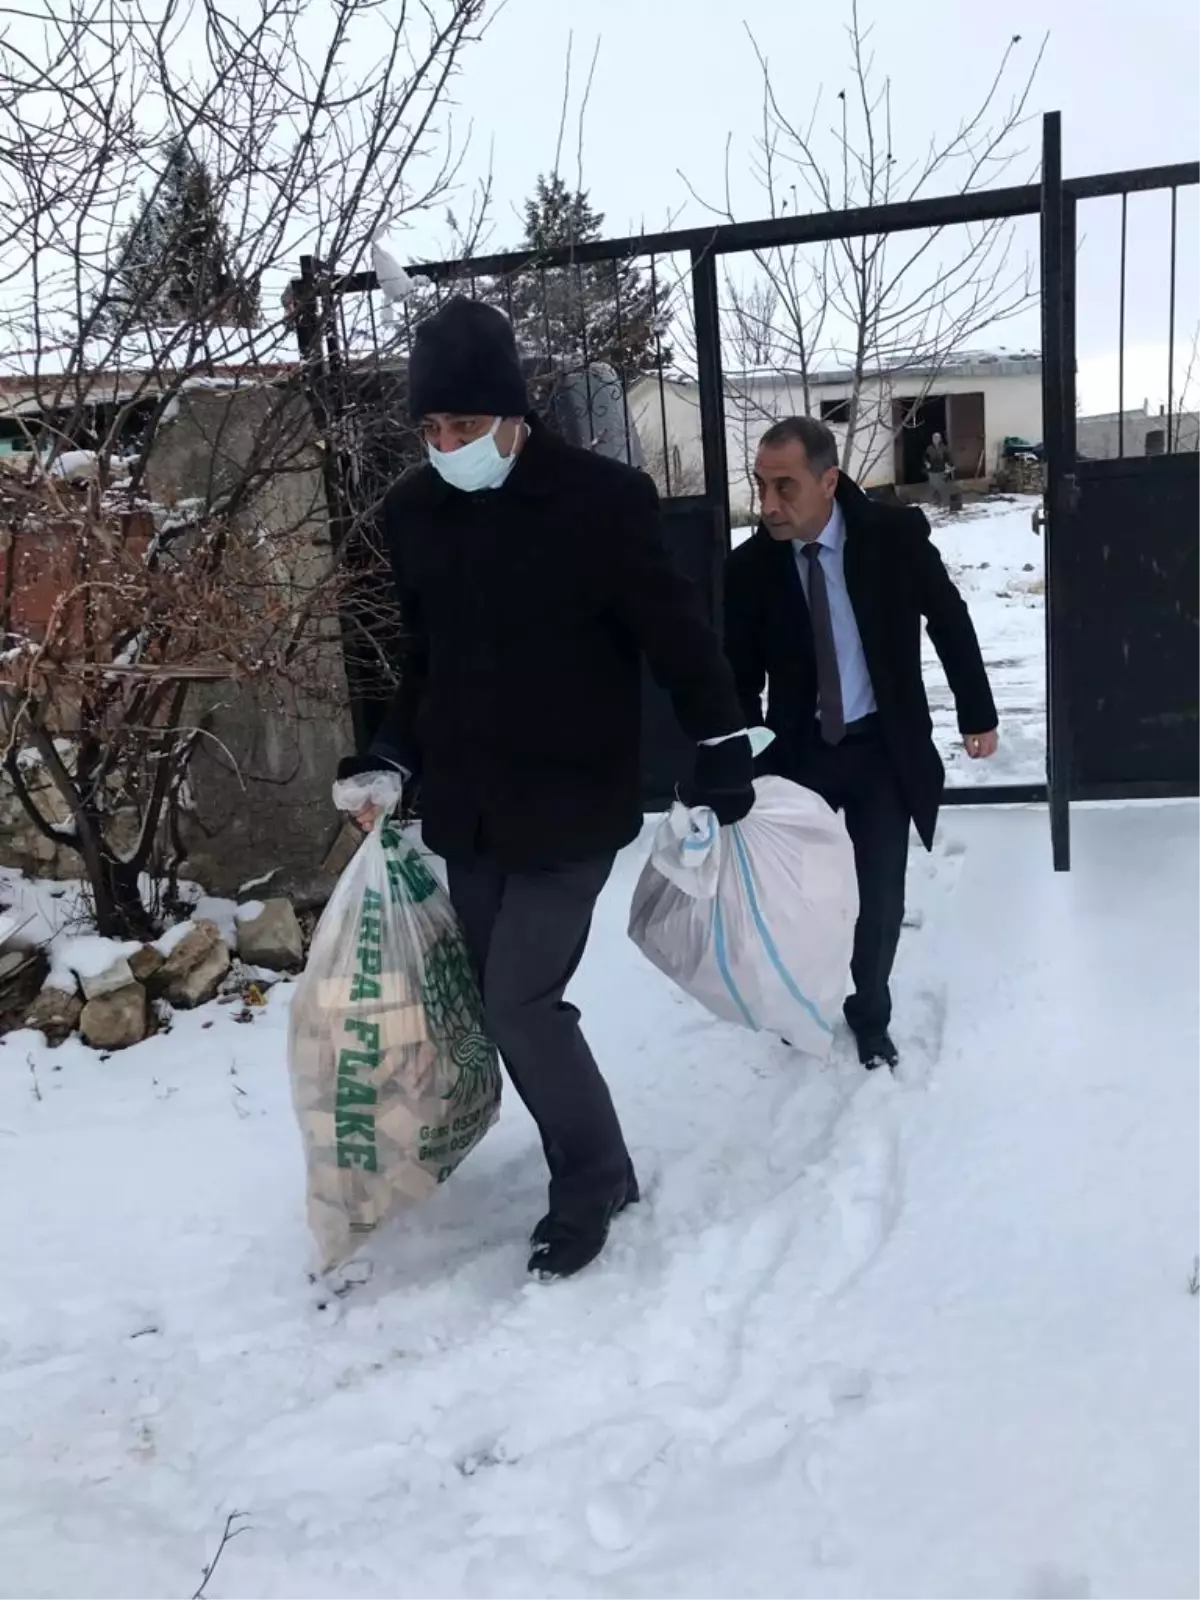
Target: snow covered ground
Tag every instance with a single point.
(998, 563)
(925, 1336)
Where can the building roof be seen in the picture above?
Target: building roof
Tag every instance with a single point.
(959, 364)
(56, 392)
(102, 371)
(964, 364)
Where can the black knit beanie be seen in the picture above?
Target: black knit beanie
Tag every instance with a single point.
(464, 360)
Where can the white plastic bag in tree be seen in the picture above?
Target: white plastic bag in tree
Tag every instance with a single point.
(756, 921)
(393, 1080)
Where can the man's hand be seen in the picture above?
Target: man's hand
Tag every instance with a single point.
(980, 746)
(365, 796)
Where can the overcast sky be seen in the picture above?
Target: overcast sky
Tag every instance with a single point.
(675, 78)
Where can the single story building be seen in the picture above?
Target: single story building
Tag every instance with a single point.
(975, 400)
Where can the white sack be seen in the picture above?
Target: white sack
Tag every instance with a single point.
(393, 1080)
(755, 921)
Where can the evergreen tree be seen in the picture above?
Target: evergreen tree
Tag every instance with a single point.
(597, 311)
(174, 261)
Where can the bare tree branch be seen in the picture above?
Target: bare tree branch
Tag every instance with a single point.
(164, 165)
(890, 312)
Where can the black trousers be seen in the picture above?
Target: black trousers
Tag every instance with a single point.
(858, 779)
(526, 932)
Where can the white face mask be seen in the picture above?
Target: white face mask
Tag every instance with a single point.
(475, 466)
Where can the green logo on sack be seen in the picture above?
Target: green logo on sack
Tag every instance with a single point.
(354, 1124)
(354, 1116)
(409, 879)
(450, 996)
(368, 957)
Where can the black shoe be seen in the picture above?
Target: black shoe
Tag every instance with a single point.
(569, 1240)
(630, 1198)
(876, 1050)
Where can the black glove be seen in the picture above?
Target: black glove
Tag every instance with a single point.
(359, 766)
(380, 758)
(724, 779)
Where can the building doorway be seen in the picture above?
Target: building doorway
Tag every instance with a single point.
(914, 423)
(966, 434)
(959, 418)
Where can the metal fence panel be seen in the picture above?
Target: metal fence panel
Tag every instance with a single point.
(1133, 631)
(621, 341)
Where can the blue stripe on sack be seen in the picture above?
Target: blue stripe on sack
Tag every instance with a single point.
(768, 942)
(723, 965)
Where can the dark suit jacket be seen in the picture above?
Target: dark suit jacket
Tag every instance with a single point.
(896, 579)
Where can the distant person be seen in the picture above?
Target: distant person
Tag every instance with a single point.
(533, 583)
(939, 469)
(823, 608)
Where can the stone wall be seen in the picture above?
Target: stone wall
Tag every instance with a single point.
(259, 791)
(264, 764)
(24, 846)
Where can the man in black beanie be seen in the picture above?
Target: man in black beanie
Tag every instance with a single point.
(533, 580)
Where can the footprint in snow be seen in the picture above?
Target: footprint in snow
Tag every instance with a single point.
(764, 1435)
(483, 1457)
(849, 1387)
(921, 1036)
(1048, 1582)
(618, 1515)
(863, 1178)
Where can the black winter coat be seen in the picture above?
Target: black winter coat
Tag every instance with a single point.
(895, 578)
(528, 610)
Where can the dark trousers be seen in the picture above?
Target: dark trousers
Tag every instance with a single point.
(858, 779)
(526, 932)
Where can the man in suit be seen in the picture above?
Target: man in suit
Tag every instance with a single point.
(823, 608)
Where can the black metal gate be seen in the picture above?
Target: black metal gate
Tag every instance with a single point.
(1121, 535)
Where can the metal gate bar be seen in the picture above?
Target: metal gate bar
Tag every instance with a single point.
(1057, 261)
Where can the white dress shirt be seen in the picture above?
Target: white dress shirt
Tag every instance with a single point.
(858, 696)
